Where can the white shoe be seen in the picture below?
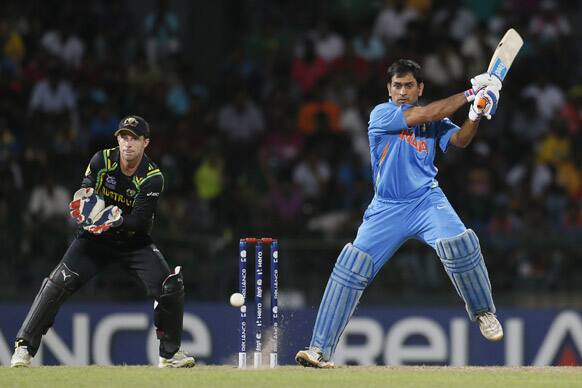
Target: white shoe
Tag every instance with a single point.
(179, 360)
(21, 358)
(312, 357)
(490, 326)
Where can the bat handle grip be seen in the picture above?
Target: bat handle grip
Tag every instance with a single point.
(481, 103)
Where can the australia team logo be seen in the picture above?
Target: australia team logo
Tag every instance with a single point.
(131, 192)
(130, 122)
(110, 182)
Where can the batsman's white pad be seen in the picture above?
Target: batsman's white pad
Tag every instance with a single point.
(461, 256)
(351, 274)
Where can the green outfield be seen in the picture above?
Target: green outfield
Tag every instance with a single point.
(290, 376)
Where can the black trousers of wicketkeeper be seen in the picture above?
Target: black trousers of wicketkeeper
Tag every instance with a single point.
(86, 257)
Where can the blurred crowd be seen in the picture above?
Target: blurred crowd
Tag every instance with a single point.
(275, 142)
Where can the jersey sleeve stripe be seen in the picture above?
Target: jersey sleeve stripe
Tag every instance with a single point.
(384, 153)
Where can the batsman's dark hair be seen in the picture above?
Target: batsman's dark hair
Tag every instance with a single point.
(402, 67)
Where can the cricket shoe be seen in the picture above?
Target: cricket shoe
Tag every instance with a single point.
(21, 358)
(178, 360)
(490, 326)
(312, 357)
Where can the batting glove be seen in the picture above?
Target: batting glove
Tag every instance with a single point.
(84, 202)
(109, 217)
(485, 103)
(480, 82)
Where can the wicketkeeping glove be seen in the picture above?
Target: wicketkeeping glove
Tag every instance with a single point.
(480, 82)
(109, 217)
(485, 103)
(85, 202)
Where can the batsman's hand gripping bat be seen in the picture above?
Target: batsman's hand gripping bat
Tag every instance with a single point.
(503, 57)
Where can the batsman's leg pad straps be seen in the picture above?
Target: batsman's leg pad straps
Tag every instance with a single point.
(169, 314)
(55, 289)
(461, 256)
(351, 274)
(353, 268)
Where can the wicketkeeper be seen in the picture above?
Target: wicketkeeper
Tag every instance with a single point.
(115, 211)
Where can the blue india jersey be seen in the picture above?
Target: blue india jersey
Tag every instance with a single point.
(403, 157)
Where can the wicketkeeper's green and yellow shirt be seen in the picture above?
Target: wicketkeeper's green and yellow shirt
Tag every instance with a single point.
(135, 195)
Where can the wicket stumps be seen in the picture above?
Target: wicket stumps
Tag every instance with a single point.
(274, 272)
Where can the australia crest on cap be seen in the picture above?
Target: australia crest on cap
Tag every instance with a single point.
(130, 122)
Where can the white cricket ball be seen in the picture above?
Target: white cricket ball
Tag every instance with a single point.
(237, 299)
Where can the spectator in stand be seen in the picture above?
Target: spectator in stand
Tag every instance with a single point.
(53, 95)
(454, 20)
(571, 112)
(283, 144)
(503, 221)
(353, 67)
(161, 28)
(353, 123)
(12, 201)
(49, 202)
(573, 221)
(285, 202)
(112, 38)
(209, 178)
(443, 67)
(318, 115)
(47, 215)
(53, 111)
(528, 179)
(177, 97)
(549, 25)
(241, 121)
(329, 45)
(367, 45)
(526, 123)
(64, 43)
(307, 69)
(477, 49)
(12, 48)
(556, 147)
(102, 126)
(391, 23)
(313, 174)
(479, 196)
(142, 76)
(555, 203)
(549, 97)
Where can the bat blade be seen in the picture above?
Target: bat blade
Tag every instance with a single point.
(503, 57)
(505, 53)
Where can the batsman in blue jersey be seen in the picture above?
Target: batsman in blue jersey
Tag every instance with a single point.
(408, 204)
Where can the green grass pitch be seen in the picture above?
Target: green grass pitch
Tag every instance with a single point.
(290, 376)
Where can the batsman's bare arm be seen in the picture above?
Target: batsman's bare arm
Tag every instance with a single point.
(435, 111)
(463, 137)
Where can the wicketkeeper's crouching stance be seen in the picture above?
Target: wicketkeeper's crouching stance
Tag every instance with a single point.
(408, 204)
(118, 181)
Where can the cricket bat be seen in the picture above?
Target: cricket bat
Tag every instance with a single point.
(503, 57)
